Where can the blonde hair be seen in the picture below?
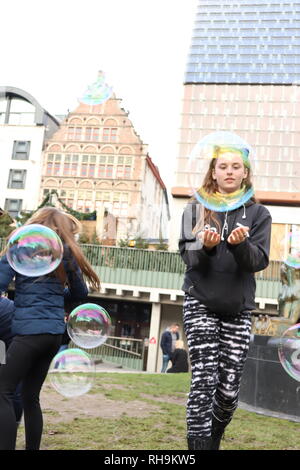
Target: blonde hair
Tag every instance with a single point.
(210, 186)
(66, 226)
(179, 344)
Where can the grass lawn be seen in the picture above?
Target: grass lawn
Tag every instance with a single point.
(134, 411)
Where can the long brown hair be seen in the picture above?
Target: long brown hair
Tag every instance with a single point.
(210, 186)
(66, 226)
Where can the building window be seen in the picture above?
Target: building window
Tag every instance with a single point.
(110, 134)
(85, 200)
(91, 172)
(53, 164)
(3, 109)
(101, 171)
(120, 171)
(70, 133)
(13, 207)
(21, 150)
(88, 165)
(16, 179)
(88, 133)
(127, 172)
(70, 165)
(56, 168)
(109, 159)
(120, 204)
(120, 209)
(84, 169)
(74, 133)
(74, 169)
(21, 112)
(67, 168)
(109, 171)
(106, 166)
(123, 171)
(77, 135)
(92, 133)
(67, 197)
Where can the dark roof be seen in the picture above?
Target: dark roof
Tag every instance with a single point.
(245, 41)
(40, 112)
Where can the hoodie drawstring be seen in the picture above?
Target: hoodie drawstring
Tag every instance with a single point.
(244, 213)
(225, 227)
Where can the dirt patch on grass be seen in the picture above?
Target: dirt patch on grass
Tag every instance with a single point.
(57, 408)
(177, 400)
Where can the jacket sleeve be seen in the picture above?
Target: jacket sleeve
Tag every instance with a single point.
(166, 343)
(174, 357)
(6, 274)
(191, 249)
(252, 255)
(77, 288)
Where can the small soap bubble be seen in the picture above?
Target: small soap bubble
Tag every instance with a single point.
(88, 325)
(290, 249)
(71, 372)
(289, 351)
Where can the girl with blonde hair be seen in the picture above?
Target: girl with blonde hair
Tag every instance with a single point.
(179, 358)
(38, 325)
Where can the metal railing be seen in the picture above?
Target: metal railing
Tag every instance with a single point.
(126, 352)
(160, 269)
(133, 258)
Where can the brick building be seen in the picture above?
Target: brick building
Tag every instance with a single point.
(96, 161)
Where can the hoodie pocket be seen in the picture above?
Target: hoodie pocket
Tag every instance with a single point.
(222, 293)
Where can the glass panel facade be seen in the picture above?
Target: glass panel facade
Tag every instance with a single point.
(232, 38)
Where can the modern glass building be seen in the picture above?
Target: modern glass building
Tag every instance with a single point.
(243, 75)
(245, 42)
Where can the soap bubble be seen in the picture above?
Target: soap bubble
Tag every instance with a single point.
(289, 351)
(34, 250)
(290, 249)
(71, 372)
(88, 325)
(98, 92)
(202, 154)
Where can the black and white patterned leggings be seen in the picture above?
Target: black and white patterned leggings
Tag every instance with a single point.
(218, 350)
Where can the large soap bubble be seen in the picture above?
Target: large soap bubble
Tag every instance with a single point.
(209, 147)
(71, 372)
(289, 351)
(98, 92)
(88, 325)
(34, 250)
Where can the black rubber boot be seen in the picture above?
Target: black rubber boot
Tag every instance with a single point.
(217, 431)
(199, 443)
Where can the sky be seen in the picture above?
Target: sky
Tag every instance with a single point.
(53, 50)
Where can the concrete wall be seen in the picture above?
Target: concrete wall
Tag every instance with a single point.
(177, 208)
(169, 314)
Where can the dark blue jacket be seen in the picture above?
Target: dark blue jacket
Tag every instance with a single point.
(166, 342)
(39, 301)
(7, 309)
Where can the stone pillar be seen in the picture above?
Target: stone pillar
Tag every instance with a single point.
(154, 337)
